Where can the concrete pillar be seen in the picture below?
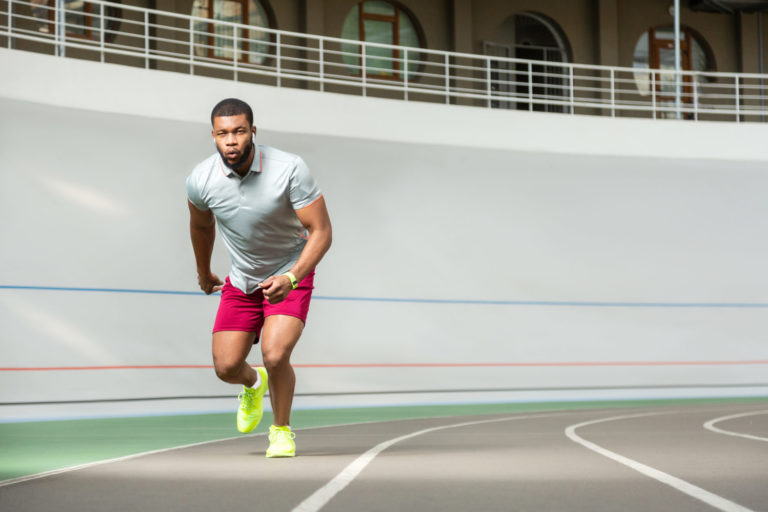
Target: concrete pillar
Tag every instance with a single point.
(461, 26)
(608, 32)
(607, 39)
(313, 19)
(746, 33)
(747, 43)
(461, 40)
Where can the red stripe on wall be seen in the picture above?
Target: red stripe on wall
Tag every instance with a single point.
(397, 365)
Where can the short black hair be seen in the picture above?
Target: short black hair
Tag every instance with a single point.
(232, 107)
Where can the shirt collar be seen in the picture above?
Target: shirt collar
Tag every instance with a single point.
(256, 166)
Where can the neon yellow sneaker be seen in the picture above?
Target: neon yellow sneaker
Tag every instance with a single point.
(251, 407)
(281, 442)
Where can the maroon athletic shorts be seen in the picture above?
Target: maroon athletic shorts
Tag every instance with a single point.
(240, 311)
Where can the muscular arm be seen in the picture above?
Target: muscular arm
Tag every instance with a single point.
(315, 218)
(317, 222)
(202, 230)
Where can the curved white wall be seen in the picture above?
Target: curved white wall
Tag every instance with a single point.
(507, 255)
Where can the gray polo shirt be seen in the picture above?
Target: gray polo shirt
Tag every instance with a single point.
(256, 214)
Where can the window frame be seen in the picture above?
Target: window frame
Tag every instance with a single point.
(397, 73)
(652, 75)
(246, 42)
(112, 17)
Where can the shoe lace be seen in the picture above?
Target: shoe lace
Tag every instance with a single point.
(246, 398)
(281, 435)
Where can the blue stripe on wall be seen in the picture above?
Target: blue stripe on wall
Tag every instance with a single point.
(594, 304)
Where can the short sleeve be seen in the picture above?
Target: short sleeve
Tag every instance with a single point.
(303, 187)
(193, 193)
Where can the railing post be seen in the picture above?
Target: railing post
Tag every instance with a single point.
(573, 90)
(405, 76)
(63, 30)
(277, 41)
(191, 46)
(322, 66)
(57, 26)
(694, 79)
(10, 22)
(447, 80)
(146, 39)
(101, 32)
(235, 48)
(738, 106)
(613, 93)
(530, 86)
(363, 68)
(653, 94)
(488, 79)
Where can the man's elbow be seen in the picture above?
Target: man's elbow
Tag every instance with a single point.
(327, 238)
(324, 235)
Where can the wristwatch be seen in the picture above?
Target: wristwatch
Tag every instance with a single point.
(294, 282)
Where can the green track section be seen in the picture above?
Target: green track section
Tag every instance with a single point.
(29, 448)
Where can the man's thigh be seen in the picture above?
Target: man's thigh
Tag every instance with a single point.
(230, 347)
(284, 321)
(280, 335)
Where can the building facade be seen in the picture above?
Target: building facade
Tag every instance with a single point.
(485, 36)
(603, 32)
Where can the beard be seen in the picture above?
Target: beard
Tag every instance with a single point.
(237, 166)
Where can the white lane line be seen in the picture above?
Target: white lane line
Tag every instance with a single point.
(87, 465)
(53, 472)
(676, 483)
(323, 495)
(710, 425)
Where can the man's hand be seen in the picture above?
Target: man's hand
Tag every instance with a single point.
(276, 288)
(209, 283)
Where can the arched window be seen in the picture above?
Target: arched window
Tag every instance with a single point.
(530, 36)
(380, 22)
(83, 19)
(219, 40)
(655, 49)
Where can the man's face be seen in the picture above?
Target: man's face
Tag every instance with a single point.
(233, 139)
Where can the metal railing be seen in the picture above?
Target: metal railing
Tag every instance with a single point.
(136, 36)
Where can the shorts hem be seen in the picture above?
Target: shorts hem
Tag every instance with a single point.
(238, 329)
(279, 313)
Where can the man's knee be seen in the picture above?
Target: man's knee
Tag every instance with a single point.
(229, 350)
(228, 371)
(276, 358)
(280, 335)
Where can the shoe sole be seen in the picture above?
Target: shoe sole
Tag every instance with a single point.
(280, 456)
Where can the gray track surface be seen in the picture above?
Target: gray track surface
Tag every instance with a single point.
(523, 463)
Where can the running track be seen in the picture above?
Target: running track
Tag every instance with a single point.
(676, 458)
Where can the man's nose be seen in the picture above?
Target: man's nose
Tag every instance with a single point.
(230, 139)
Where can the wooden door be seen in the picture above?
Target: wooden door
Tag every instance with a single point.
(661, 55)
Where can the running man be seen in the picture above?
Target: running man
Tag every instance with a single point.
(274, 222)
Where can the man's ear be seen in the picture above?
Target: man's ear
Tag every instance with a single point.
(253, 129)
